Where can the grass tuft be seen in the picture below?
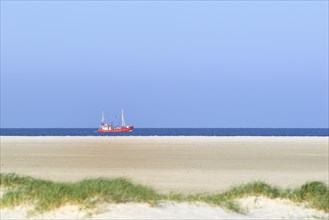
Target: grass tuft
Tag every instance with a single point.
(316, 194)
(47, 195)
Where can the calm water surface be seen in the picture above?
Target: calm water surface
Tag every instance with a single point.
(168, 132)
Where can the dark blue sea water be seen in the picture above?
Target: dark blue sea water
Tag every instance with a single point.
(168, 132)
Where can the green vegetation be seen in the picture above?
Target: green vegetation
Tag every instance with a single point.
(47, 195)
(316, 194)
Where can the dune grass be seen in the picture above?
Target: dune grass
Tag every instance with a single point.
(46, 195)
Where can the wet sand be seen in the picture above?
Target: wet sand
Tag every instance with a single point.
(180, 164)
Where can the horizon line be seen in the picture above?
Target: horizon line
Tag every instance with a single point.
(176, 128)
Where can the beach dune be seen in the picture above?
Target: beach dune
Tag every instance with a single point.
(180, 164)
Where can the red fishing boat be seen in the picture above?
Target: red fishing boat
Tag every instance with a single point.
(109, 127)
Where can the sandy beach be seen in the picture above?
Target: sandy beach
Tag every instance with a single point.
(258, 208)
(172, 164)
(180, 164)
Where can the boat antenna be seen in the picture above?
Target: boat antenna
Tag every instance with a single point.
(123, 119)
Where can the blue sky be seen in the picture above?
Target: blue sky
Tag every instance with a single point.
(167, 64)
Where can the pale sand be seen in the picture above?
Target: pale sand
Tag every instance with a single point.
(255, 208)
(180, 164)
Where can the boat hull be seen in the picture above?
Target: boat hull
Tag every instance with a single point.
(116, 130)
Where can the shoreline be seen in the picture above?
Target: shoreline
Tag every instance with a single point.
(173, 136)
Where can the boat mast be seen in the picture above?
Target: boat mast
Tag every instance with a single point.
(122, 119)
(102, 118)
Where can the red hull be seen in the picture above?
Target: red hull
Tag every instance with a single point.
(128, 129)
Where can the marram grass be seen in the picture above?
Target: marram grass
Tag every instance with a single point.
(47, 195)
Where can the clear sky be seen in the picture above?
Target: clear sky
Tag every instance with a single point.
(167, 64)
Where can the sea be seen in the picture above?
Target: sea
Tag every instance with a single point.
(168, 132)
